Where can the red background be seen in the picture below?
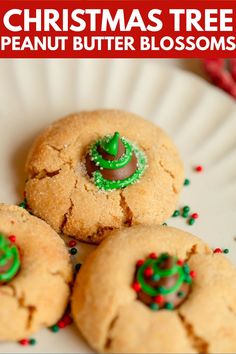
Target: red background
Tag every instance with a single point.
(143, 6)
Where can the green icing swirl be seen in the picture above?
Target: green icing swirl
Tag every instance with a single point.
(182, 271)
(111, 164)
(110, 145)
(8, 252)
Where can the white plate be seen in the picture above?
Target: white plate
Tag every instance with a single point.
(200, 118)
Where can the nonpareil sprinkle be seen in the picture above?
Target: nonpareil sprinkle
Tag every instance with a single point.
(72, 243)
(73, 251)
(186, 182)
(55, 328)
(32, 341)
(199, 168)
(191, 221)
(185, 214)
(24, 342)
(186, 209)
(217, 250)
(176, 213)
(23, 204)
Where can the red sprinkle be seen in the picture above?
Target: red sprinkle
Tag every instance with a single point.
(12, 238)
(136, 286)
(67, 320)
(199, 168)
(159, 299)
(24, 342)
(148, 272)
(193, 274)
(195, 216)
(153, 255)
(72, 243)
(61, 324)
(218, 250)
(180, 262)
(139, 262)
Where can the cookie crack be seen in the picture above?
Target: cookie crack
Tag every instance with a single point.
(109, 340)
(127, 212)
(55, 148)
(198, 343)
(59, 153)
(191, 252)
(99, 235)
(68, 213)
(170, 174)
(194, 251)
(58, 273)
(66, 216)
(44, 174)
(31, 309)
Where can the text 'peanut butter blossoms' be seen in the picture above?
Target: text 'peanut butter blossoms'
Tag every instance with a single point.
(9, 260)
(162, 282)
(114, 162)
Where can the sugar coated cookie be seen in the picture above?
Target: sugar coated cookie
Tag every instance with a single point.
(93, 172)
(156, 289)
(35, 274)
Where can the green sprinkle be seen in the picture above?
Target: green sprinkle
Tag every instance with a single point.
(186, 182)
(169, 306)
(191, 221)
(226, 250)
(23, 204)
(185, 214)
(73, 251)
(186, 268)
(154, 306)
(156, 277)
(55, 328)
(164, 256)
(161, 290)
(180, 293)
(32, 341)
(164, 224)
(176, 213)
(188, 279)
(8, 253)
(186, 209)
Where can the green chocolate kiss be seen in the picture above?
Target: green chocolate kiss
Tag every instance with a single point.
(110, 144)
(9, 254)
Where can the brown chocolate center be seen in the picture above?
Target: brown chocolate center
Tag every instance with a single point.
(174, 298)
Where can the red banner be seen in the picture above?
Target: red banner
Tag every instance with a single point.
(121, 29)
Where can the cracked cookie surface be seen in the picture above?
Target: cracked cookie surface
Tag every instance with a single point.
(38, 295)
(112, 319)
(59, 191)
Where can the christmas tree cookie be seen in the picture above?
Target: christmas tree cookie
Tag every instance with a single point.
(9, 260)
(178, 299)
(35, 274)
(162, 282)
(97, 171)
